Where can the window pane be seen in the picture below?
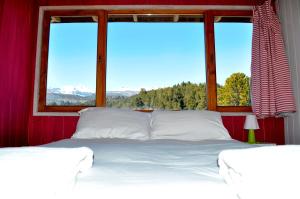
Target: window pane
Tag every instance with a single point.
(71, 79)
(233, 61)
(156, 65)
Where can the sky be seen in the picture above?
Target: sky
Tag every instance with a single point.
(144, 55)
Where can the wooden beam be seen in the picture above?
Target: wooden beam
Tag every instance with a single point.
(210, 61)
(234, 108)
(176, 18)
(101, 61)
(154, 12)
(135, 18)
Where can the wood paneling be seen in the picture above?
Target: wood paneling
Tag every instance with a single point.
(155, 12)
(145, 2)
(289, 11)
(48, 129)
(18, 21)
(271, 129)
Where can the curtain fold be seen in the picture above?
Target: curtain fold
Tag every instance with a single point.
(271, 86)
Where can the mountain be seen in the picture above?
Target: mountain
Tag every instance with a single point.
(60, 97)
(73, 91)
(121, 93)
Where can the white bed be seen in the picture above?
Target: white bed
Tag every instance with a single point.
(134, 169)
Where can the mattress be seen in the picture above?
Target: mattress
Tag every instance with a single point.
(152, 169)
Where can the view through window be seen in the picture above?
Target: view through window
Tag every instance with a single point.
(156, 65)
(71, 78)
(233, 41)
(146, 61)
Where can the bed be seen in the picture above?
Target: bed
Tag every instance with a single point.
(134, 169)
(166, 154)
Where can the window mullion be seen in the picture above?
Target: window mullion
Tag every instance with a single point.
(101, 59)
(210, 61)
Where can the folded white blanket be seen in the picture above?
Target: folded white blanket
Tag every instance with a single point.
(262, 172)
(40, 172)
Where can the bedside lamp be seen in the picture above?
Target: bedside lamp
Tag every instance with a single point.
(251, 124)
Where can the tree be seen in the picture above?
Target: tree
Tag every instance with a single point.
(235, 92)
(139, 102)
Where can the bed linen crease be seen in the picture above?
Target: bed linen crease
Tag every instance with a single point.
(163, 169)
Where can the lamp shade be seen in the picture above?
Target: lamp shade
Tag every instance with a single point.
(251, 122)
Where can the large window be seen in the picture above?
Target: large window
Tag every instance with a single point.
(156, 63)
(175, 60)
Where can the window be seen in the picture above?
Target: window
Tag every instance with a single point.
(175, 60)
(72, 60)
(156, 62)
(233, 38)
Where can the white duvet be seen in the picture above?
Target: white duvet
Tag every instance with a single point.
(41, 172)
(264, 172)
(152, 169)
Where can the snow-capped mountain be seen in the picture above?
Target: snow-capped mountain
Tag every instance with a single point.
(58, 96)
(82, 93)
(121, 93)
(70, 92)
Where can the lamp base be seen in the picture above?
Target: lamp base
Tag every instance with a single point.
(251, 137)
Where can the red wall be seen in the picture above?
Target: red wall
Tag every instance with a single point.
(146, 2)
(18, 31)
(17, 22)
(47, 129)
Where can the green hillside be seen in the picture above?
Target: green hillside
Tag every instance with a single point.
(187, 96)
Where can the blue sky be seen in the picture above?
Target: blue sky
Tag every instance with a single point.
(144, 55)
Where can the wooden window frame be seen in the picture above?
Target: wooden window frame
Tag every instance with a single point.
(101, 55)
(211, 79)
(100, 64)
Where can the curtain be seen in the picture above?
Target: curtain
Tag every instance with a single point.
(271, 86)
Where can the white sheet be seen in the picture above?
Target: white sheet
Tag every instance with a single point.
(153, 169)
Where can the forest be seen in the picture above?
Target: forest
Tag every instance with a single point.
(187, 96)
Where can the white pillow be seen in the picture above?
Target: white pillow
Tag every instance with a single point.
(188, 125)
(112, 123)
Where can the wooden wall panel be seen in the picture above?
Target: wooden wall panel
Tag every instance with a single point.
(17, 22)
(43, 130)
(271, 129)
(145, 2)
(48, 129)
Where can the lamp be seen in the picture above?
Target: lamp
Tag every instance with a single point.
(251, 124)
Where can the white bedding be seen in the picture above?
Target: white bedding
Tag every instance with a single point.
(41, 171)
(260, 168)
(152, 169)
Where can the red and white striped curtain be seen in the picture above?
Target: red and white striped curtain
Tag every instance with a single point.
(271, 86)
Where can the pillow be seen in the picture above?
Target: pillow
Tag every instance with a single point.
(112, 123)
(188, 125)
